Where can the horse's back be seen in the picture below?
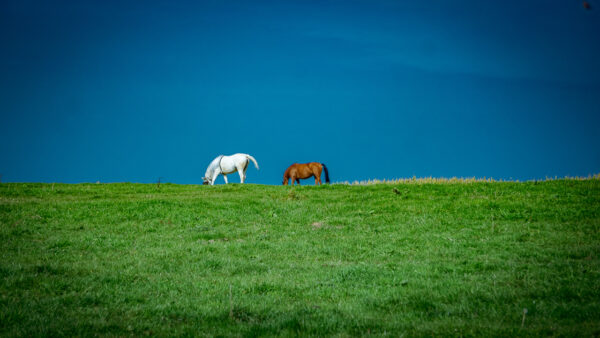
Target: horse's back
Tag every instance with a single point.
(304, 167)
(315, 165)
(239, 156)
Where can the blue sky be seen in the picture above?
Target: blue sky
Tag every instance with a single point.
(130, 91)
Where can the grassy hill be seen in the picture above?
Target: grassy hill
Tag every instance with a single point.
(464, 258)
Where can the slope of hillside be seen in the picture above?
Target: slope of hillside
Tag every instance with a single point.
(477, 258)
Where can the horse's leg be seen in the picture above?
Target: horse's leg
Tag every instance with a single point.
(242, 175)
(298, 181)
(215, 175)
(225, 178)
(318, 176)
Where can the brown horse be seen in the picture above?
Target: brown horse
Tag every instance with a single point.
(298, 171)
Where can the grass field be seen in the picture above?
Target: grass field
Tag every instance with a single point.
(449, 259)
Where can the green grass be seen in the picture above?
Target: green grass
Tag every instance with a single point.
(444, 259)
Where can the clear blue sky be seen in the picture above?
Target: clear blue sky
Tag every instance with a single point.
(136, 90)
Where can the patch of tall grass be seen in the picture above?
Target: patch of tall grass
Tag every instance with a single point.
(453, 180)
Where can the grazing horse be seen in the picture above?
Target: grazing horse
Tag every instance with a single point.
(226, 165)
(298, 171)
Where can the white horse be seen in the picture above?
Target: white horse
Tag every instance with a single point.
(226, 165)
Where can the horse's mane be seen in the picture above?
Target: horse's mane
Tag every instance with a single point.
(212, 166)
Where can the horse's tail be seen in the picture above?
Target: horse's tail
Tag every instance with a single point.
(326, 172)
(253, 160)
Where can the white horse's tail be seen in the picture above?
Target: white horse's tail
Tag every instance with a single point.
(253, 160)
